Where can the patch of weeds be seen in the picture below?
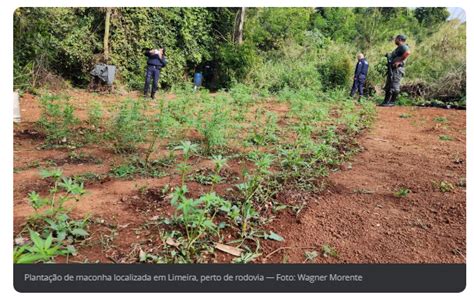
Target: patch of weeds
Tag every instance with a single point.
(219, 163)
(211, 177)
(264, 129)
(445, 138)
(54, 232)
(196, 217)
(95, 114)
(310, 256)
(95, 121)
(440, 119)
(405, 115)
(402, 192)
(136, 167)
(202, 177)
(246, 257)
(444, 186)
(32, 164)
(328, 251)
(81, 157)
(57, 120)
(124, 171)
(213, 125)
(127, 128)
(250, 188)
(89, 177)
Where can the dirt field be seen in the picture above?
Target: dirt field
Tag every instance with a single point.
(358, 215)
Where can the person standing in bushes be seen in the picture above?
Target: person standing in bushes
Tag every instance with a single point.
(156, 61)
(396, 63)
(360, 74)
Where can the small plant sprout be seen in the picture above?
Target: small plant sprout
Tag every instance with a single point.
(405, 115)
(188, 149)
(219, 163)
(310, 255)
(445, 138)
(440, 119)
(444, 186)
(402, 192)
(328, 251)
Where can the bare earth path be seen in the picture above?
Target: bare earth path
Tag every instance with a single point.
(360, 217)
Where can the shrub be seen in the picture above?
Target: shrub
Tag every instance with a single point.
(337, 69)
(57, 119)
(128, 127)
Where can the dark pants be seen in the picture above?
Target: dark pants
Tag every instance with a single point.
(393, 83)
(151, 72)
(358, 86)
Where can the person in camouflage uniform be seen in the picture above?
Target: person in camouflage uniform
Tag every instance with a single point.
(397, 64)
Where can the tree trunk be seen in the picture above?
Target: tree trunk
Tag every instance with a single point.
(106, 33)
(239, 34)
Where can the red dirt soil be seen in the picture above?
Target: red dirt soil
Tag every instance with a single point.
(357, 215)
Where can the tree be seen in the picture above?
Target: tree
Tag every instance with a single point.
(431, 16)
(239, 32)
(108, 12)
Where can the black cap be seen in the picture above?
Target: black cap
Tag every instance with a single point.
(401, 37)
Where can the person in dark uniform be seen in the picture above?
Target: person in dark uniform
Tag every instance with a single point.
(396, 61)
(360, 74)
(156, 61)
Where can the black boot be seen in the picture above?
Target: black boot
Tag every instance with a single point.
(394, 98)
(388, 100)
(152, 95)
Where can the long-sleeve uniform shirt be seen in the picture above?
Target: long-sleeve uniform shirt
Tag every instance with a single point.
(362, 68)
(155, 60)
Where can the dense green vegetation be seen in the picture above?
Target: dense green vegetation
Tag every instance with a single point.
(315, 50)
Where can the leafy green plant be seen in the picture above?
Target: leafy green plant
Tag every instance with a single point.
(41, 250)
(219, 162)
(52, 221)
(63, 227)
(402, 192)
(250, 187)
(57, 119)
(95, 114)
(212, 123)
(63, 190)
(127, 128)
(160, 127)
(188, 149)
(124, 170)
(197, 215)
(445, 138)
